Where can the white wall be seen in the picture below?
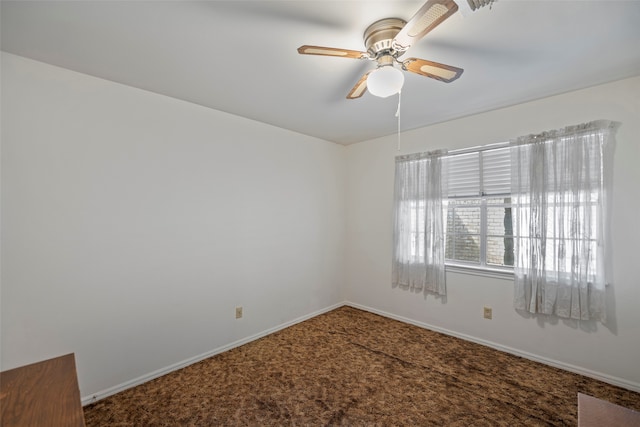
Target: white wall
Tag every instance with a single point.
(133, 224)
(609, 351)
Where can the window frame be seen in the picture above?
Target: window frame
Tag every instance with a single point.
(482, 266)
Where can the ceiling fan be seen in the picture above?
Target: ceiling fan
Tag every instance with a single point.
(388, 39)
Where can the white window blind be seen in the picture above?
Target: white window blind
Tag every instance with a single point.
(496, 171)
(479, 173)
(463, 172)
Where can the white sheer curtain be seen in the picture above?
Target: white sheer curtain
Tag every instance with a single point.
(418, 235)
(559, 203)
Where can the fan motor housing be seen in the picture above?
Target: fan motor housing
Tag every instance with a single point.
(378, 37)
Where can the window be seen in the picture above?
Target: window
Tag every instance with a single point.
(535, 207)
(479, 230)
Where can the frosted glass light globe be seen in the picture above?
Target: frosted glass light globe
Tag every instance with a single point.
(385, 81)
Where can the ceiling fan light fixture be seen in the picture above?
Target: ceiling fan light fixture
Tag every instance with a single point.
(385, 81)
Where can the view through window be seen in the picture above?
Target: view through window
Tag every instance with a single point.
(478, 213)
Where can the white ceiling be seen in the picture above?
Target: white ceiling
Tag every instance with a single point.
(240, 56)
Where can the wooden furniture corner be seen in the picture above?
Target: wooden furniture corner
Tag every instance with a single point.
(41, 394)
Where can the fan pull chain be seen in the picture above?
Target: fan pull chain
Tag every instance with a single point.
(398, 116)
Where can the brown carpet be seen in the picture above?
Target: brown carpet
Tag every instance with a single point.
(353, 368)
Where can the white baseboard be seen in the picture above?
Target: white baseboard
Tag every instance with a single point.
(163, 371)
(620, 382)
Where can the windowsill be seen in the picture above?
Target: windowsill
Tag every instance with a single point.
(479, 271)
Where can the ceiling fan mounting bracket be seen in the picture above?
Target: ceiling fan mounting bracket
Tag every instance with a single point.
(379, 36)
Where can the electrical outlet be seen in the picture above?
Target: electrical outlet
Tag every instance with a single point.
(238, 312)
(488, 313)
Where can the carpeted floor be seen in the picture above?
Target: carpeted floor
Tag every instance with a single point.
(353, 368)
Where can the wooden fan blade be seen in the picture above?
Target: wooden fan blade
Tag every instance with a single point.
(360, 88)
(426, 19)
(435, 70)
(331, 51)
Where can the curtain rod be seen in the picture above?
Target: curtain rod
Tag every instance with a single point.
(445, 153)
(584, 127)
